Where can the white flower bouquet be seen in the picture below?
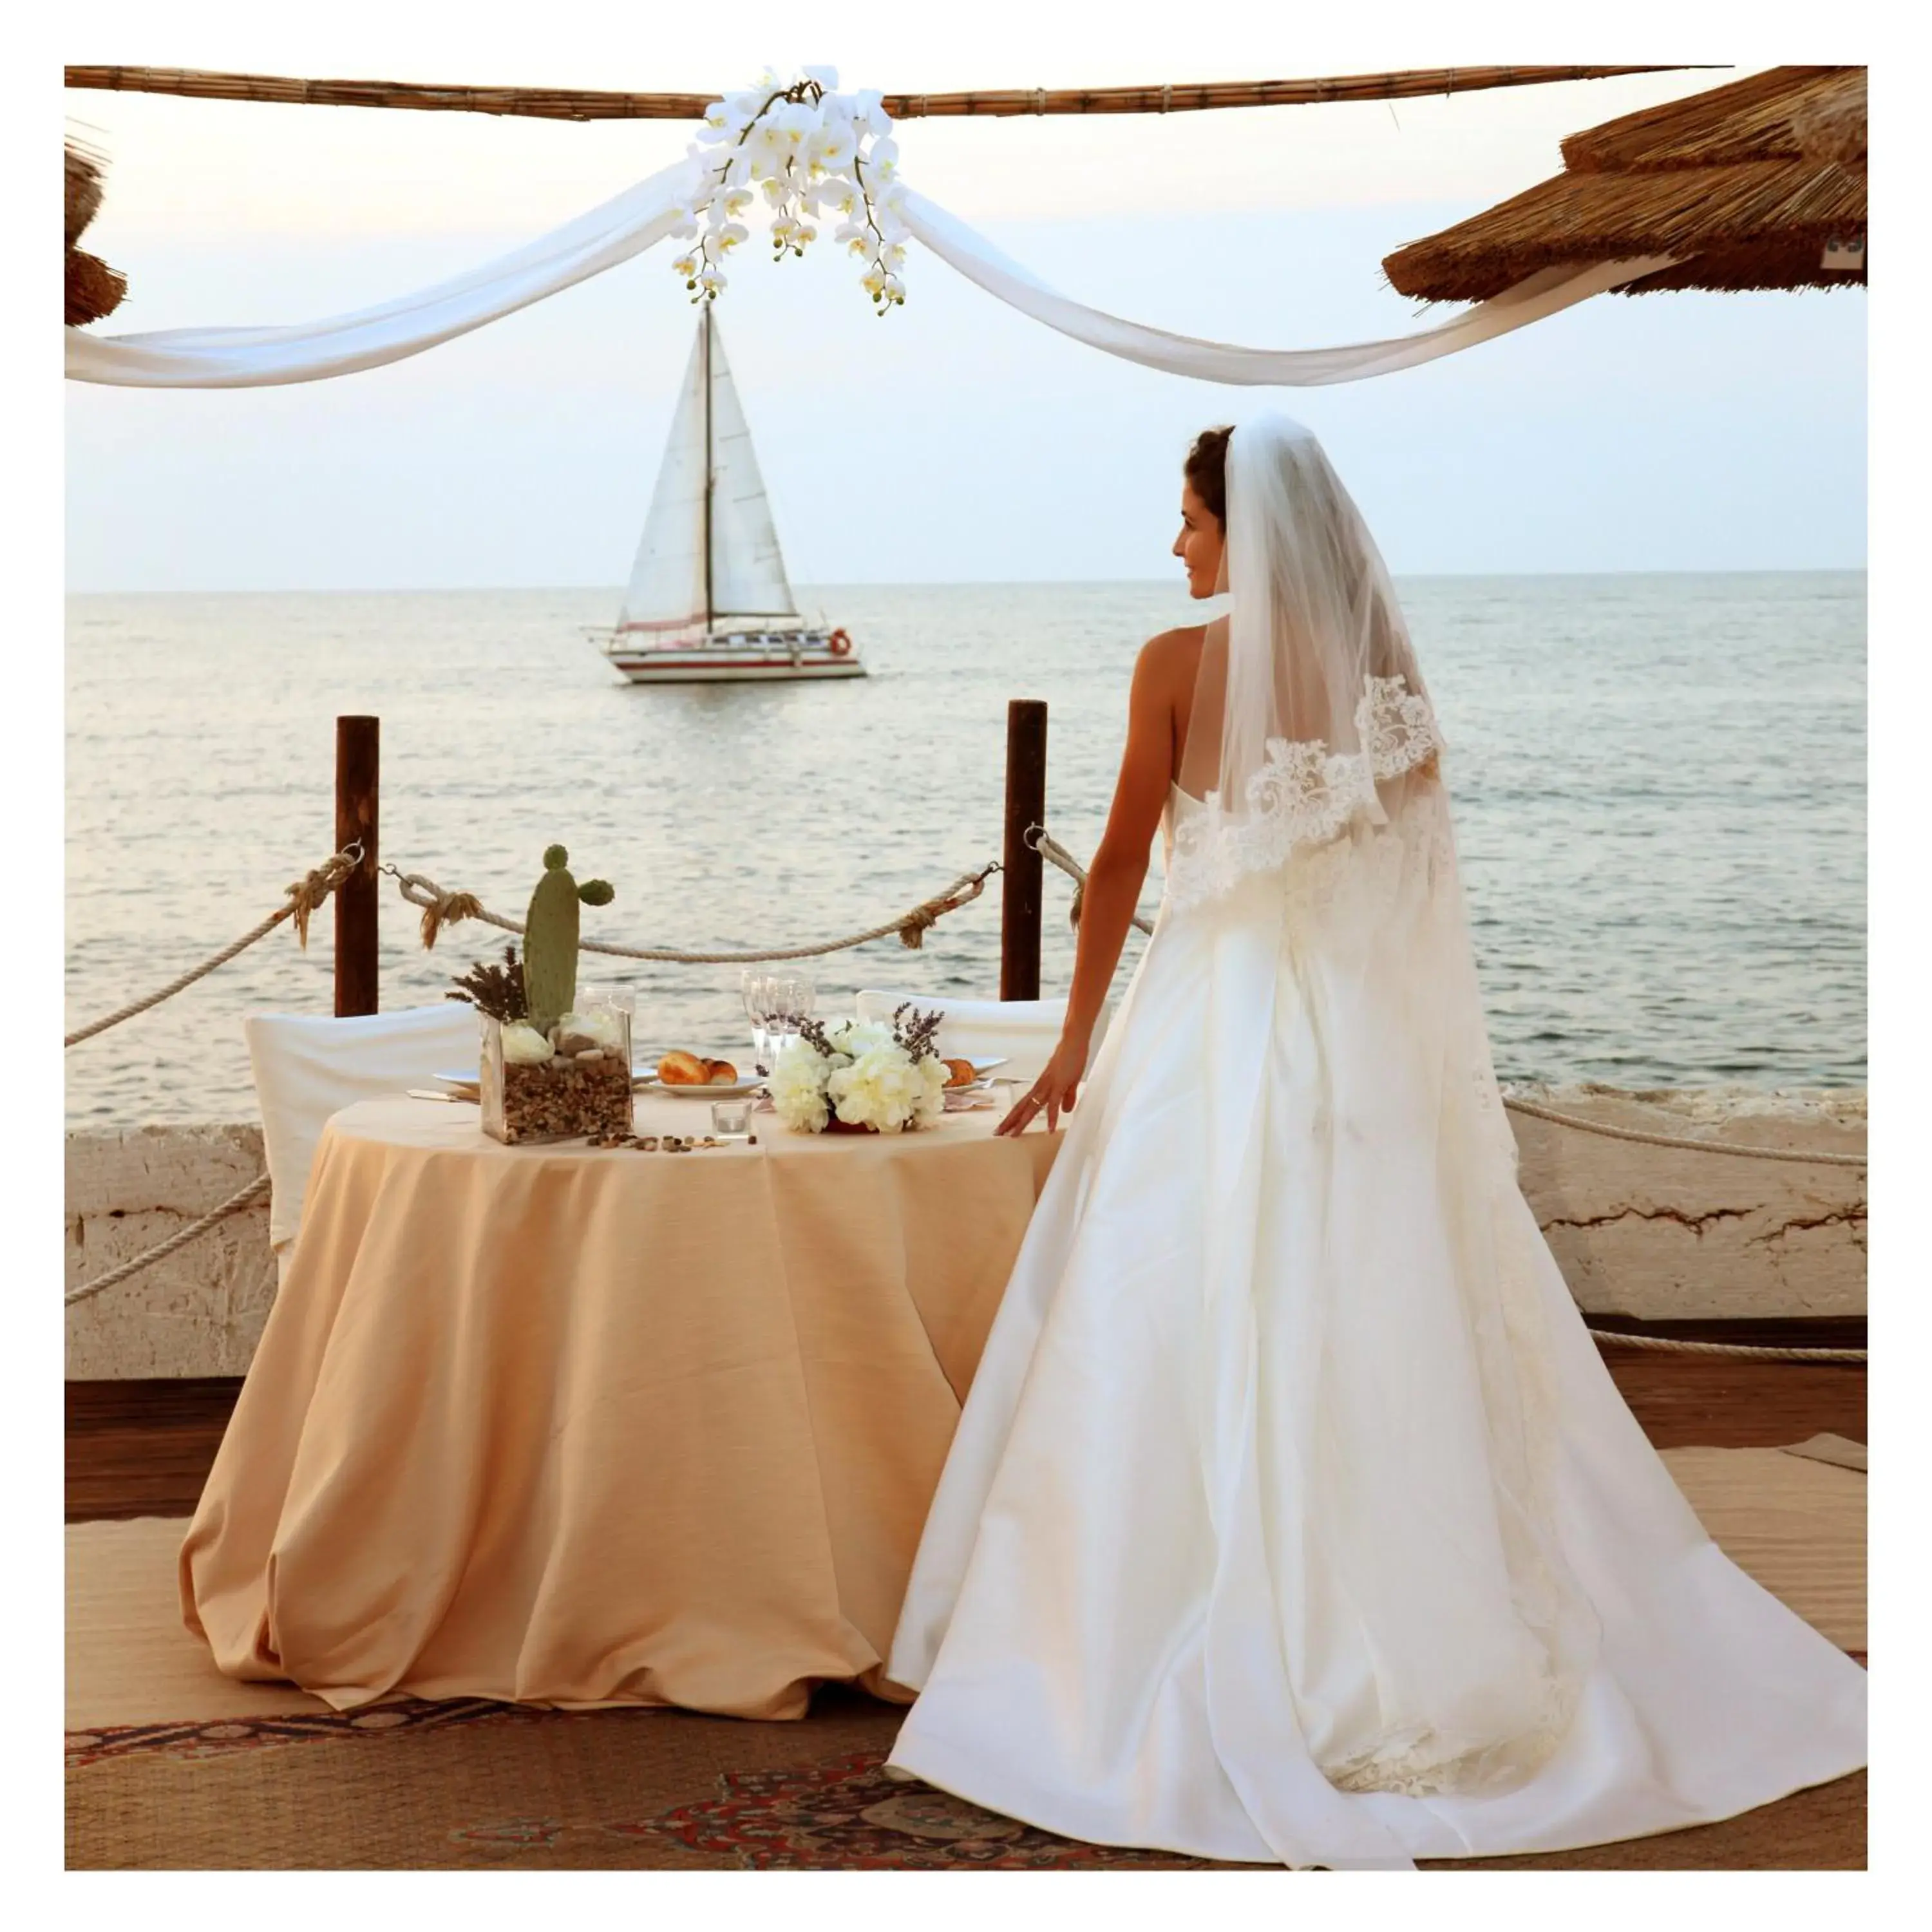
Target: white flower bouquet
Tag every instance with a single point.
(861, 1076)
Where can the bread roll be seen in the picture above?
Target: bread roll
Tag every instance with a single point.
(959, 1073)
(683, 1069)
(720, 1073)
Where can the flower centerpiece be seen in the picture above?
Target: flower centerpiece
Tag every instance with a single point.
(549, 1072)
(861, 1076)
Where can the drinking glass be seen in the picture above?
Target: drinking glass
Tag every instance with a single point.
(754, 989)
(793, 995)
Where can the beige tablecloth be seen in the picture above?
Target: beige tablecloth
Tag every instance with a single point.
(579, 1427)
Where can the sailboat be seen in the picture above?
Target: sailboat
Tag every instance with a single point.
(708, 601)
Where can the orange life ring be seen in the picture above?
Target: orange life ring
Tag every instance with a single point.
(839, 644)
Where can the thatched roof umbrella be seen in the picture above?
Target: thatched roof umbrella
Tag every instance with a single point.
(93, 289)
(1758, 184)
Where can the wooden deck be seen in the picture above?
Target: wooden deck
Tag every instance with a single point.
(144, 1448)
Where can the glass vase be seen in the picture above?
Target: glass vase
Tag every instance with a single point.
(581, 1089)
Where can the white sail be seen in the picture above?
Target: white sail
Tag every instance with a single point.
(671, 588)
(748, 572)
(666, 588)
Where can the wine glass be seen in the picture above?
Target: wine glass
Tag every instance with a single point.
(792, 996)
(754, 989)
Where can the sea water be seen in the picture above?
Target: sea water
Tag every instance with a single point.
(1658, 784)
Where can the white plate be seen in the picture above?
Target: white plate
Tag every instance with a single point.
(734, 1090)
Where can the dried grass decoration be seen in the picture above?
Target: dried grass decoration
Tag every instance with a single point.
(549, 1072)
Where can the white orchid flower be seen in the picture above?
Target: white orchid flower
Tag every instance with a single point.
(831, 149)
(769, 145)
(732, 233)
(685, 266)
(778, 190)
(873, 281)
(794, 125)
(685, 226)
(842, 195)
(804, 234)
(882, 160)
(738, 170)
(893, 255)
(827, 77)
(738, 200)
(893, 289)
(711, 279)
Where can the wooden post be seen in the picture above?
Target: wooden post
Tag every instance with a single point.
(358, 765)
(1021, 866)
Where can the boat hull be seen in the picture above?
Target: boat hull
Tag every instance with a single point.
(772, 658)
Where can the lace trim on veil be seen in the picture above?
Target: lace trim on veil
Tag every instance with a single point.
(1304, 795)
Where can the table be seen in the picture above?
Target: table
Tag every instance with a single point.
(581, 1427)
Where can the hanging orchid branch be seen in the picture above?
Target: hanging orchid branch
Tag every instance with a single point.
(811, 151)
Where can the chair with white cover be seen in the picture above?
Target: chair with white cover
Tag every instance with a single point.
(1022, 1032)
(307, 1067)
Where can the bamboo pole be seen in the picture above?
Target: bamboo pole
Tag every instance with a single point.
(552, 104)
(1021, 868)
(358, 767)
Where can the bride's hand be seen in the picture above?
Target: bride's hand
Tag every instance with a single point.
(1055, 1090)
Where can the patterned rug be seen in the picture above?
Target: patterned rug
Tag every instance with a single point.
(171, 1766)
(475, 1786)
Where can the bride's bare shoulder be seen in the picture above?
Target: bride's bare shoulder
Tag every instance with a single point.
(1172, 657)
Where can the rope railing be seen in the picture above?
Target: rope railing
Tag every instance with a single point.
(440, 908)
(1691, 1142)
(304, 897)
(1676, 1344)
(1039, 839)
(161, 1250)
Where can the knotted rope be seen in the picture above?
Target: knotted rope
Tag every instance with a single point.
(1039, 839)
(162, 1249)
(440, 908)
(305, 896)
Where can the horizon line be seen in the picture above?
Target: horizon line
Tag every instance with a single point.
(616, 589)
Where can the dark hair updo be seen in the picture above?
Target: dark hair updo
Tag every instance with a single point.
(1206, 470)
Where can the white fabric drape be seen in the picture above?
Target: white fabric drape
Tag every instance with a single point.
(241, 359)
(1542, 294)
(229, 359)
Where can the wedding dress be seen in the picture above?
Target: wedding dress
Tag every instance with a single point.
(1292, 1515)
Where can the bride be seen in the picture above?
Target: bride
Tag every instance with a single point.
(1292, 1515)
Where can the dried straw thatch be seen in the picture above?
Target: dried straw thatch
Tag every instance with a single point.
(1749, 185)
(93, 289)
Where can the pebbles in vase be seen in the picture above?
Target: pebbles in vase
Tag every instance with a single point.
(567, 1097)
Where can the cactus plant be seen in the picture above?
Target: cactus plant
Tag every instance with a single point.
(550, 937)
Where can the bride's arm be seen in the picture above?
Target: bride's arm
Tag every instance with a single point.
(1113, 883)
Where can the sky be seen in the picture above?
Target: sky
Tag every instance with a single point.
(955, 440)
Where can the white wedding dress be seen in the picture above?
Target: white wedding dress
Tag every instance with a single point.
(1292, 1515)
